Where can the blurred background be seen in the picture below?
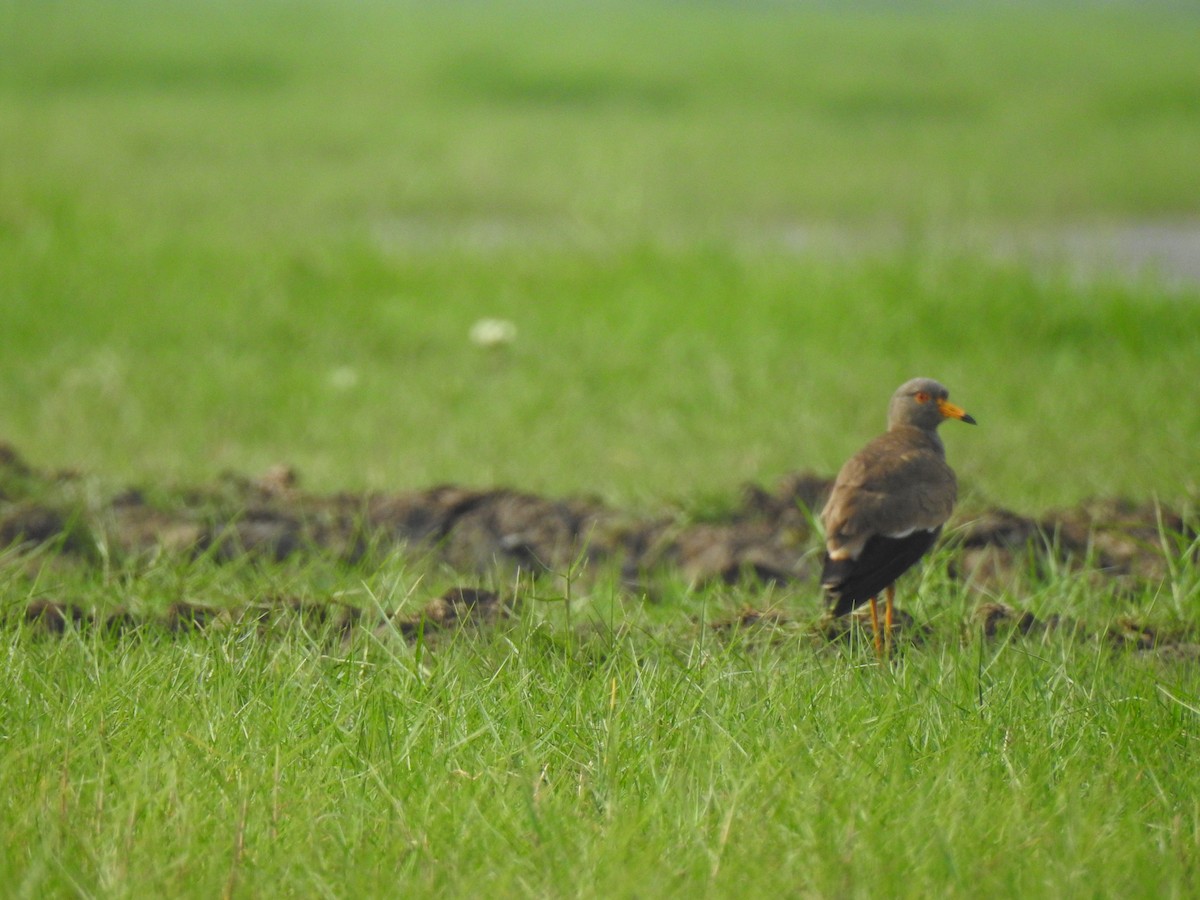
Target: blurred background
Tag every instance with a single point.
(713, 238)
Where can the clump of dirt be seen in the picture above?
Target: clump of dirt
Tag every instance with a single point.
(54, 617)
(749, 618)
(1118, 541)
(1000, 618)
(183, 617)
(765, 538)
(456, 608)
(1171, 644)
(279, 614)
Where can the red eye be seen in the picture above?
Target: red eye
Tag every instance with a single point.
(922, 397)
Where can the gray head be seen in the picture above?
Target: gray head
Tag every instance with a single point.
(923, 403)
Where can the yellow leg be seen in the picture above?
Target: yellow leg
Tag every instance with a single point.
(875, 628)
(887, 618)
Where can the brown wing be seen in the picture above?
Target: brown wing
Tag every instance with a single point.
(896, 485)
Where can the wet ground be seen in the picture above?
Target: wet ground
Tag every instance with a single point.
(1115, 548)
(1165, 251)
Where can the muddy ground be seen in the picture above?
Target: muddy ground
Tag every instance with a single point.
(766, 536)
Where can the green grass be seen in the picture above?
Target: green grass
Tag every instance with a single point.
(207, 212)
(238, 234)
(642, 377)
(644, 755)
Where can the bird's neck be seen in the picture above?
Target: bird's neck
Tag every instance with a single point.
(920, 437)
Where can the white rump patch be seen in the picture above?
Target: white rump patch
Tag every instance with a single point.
(897, 535)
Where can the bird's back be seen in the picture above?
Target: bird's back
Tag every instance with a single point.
(886, 509)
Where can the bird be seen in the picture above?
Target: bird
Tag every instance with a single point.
(889, 503)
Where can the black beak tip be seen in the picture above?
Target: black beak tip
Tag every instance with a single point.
(969, 419)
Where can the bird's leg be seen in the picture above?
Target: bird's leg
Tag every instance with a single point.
(887, 617)
(875, 628)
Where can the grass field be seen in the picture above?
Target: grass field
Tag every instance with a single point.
(633, 764)
(233, 235)
(213, 216)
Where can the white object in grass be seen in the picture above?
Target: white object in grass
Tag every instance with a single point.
(492, 333)
(343, 378)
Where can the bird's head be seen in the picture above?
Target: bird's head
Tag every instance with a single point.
(923, 403)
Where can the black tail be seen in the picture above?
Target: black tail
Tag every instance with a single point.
(851, 582)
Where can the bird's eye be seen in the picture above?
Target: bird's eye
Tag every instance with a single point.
(922, 397)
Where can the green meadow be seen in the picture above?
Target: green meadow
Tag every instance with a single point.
(234, 235)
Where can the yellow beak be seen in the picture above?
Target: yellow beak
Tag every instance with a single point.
(950, 411)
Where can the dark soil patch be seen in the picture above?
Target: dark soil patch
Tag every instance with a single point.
(749, 618)
(458, 607)
(183, 617)
(766, 537)
(54, 617)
